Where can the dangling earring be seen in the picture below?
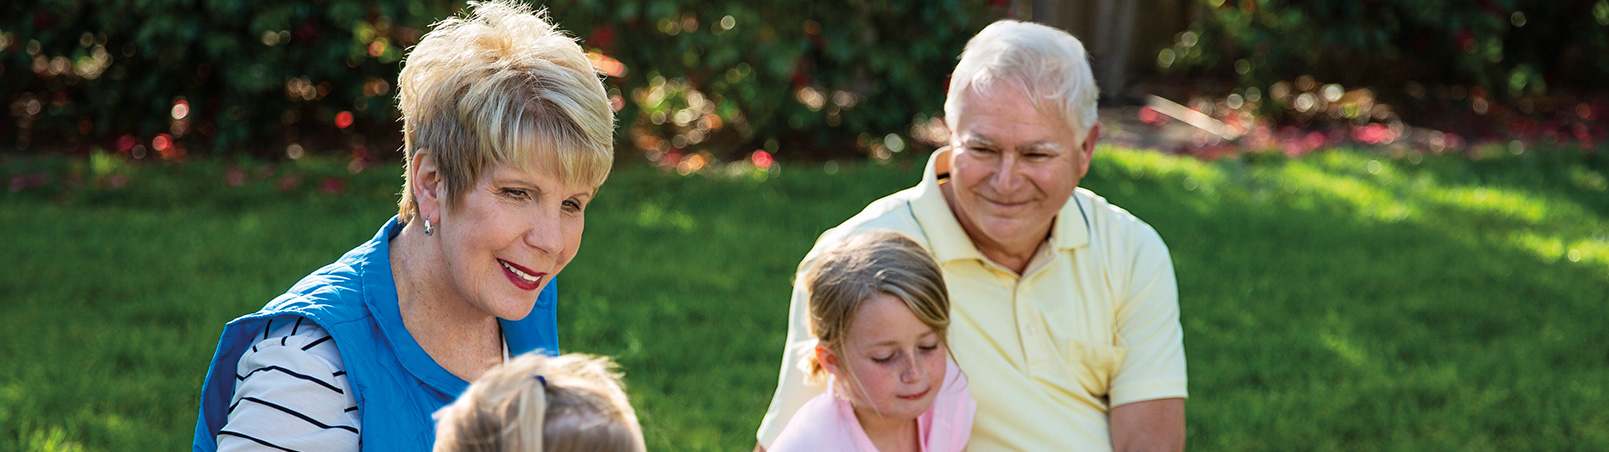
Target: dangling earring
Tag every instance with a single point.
(427, 227)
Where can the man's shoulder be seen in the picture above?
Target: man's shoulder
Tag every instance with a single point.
(1112, 224)
(890, 213)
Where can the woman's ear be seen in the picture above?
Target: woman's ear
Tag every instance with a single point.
(828, 360)
(426, 183)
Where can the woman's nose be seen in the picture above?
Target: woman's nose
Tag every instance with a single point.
(546, 232)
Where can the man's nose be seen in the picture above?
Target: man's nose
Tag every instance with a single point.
(1006, 175)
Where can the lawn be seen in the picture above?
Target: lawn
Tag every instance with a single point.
(1342, 301)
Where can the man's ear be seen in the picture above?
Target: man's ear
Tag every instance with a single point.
(828, 359)
(1087, 148)
(426, 183)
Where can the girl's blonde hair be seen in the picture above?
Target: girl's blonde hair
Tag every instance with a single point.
(578, 404)
(503, 86)
(864, 266)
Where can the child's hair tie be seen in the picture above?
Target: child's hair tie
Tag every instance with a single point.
(543, 380)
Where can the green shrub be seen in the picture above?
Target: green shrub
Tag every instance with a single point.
(232, 76)
(1506, 47)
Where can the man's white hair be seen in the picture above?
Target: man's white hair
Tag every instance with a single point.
(1047, 64)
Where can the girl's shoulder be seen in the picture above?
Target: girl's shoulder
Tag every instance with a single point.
(820, 424)
(947, 424)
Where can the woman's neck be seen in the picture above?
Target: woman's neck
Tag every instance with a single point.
(889, 434)
(462, 339)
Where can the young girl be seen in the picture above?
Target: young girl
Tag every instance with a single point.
(573, 402)
(879, 311)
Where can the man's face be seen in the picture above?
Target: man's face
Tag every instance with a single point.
(1012, 167)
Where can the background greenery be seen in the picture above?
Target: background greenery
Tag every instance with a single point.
(1508, 47)
(725, 78)
(720, 77)
(1345, 301)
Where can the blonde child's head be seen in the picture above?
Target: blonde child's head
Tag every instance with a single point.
(572, 402)
(879, 311)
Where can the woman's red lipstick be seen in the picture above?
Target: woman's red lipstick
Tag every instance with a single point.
(519, 281)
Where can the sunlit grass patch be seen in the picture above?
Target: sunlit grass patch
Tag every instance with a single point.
(1343, 301)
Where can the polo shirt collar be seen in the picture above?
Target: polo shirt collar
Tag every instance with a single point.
(949, 241)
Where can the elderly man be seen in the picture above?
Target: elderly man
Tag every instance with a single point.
(1065, 311)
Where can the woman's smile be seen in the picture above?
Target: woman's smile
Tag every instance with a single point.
(522, 277)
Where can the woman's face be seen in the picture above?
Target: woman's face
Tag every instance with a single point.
(508, 235)
(897, 360)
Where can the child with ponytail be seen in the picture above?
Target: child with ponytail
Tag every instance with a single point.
(572, 402)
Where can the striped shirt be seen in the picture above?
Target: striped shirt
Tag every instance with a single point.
(291, 393)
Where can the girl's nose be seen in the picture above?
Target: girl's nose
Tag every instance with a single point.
(913, 371)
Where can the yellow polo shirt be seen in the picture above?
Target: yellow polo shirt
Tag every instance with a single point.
(1092, 323)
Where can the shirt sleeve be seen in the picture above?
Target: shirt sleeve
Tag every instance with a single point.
(792, 390)
(291, 393)
(1148, 325)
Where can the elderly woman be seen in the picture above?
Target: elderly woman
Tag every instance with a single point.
(508, 135)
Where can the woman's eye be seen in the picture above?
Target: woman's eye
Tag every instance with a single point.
(929, 348)
(515, 193)
(883, 359)
(572, 205)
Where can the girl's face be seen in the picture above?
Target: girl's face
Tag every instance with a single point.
(508, 235)
(897, 361)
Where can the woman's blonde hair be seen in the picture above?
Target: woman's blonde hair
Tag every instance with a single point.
(864, 266)
(578, 404)
(501, 86)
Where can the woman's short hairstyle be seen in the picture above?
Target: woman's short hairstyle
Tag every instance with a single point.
(1047, 64)
(579, 404)
(846, 276)
(503, 86)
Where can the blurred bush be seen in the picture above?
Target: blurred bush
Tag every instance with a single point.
(714, 79)
(1505, 48)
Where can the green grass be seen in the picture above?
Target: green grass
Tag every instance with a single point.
(1344, 301)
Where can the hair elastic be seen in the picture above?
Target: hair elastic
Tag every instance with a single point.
(543, 380)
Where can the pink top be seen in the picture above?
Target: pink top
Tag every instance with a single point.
(827, 422)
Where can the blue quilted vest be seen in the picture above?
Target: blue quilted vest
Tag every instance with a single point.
(397, 385)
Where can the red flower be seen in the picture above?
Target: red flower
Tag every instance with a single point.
(331, 185)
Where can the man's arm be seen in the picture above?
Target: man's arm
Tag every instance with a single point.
(1149, 390)
(1151, 425)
